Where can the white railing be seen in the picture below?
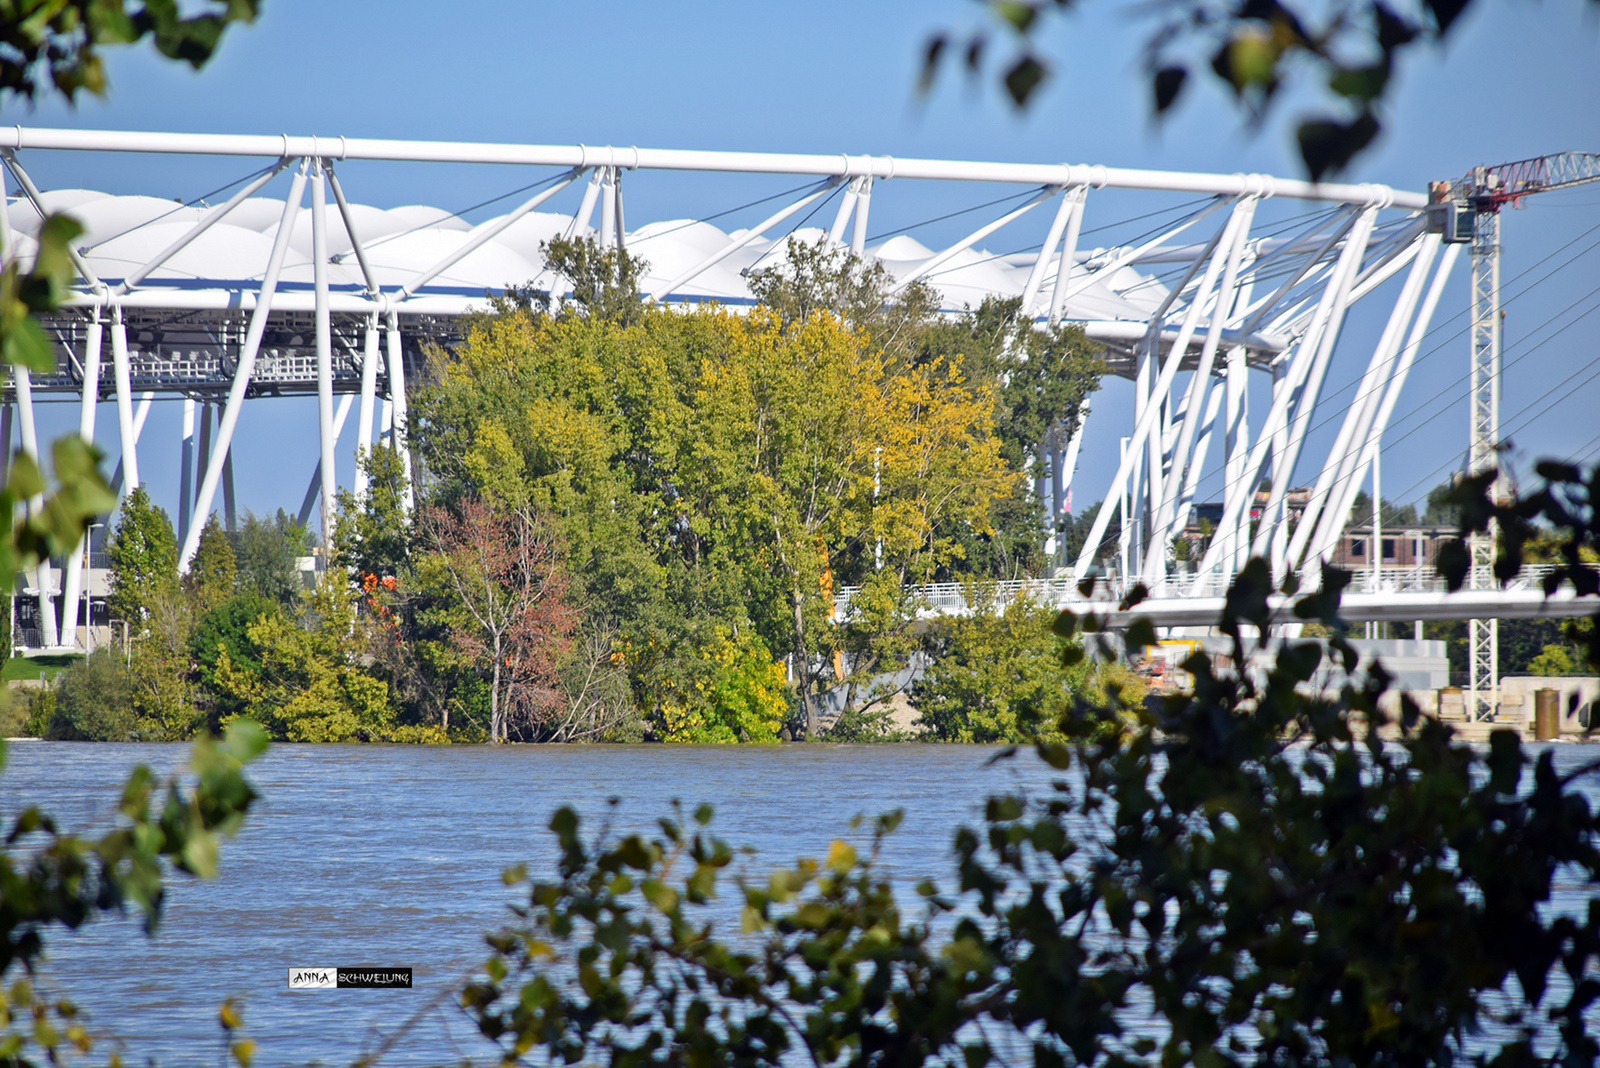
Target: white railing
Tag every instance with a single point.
(951, 598)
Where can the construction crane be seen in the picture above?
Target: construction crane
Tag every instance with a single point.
(1467, 211)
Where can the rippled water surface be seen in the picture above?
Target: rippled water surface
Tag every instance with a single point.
(391, 857)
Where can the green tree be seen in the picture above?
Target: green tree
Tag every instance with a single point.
(94, 702)
(225, 630)
(214, 571)
(267, 552)
(306, 684)
(143, 557)
(373, 534)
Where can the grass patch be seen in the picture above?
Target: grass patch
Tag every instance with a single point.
(31, 667)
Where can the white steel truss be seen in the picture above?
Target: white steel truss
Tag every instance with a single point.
(344, 318)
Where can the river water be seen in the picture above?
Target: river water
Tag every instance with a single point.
(390, 856)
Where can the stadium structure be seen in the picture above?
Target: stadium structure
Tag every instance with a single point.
(288, 283)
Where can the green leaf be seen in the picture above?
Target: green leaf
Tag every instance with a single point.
(26, 345)
(25, 480)
(1023, 78)
(1166, 85)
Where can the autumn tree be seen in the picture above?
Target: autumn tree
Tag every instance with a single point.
(511, 612)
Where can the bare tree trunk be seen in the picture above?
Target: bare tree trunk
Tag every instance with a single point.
(495, 732)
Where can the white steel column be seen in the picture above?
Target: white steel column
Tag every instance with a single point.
(847, 204)
(735, 245)
(48, 636)
(72, 587)
(247, 362)
(858, 233)
(324, 332)
(1483, 635)
(315, 486)
(119, 359)
(1322, 514)
(608, 206)
(1068, 257)
(186, 470)
(398, 437)
(1070, 203)
(230, 514)
(930, 265)
(1322, 334)
(369, 389)
(202, 461)
(1232, 246)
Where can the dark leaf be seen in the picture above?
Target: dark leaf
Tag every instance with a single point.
(1327, 145)
(1167, 83)
(1023, 78)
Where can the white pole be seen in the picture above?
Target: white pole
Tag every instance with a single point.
(48, 637)
(211, 219)
(91, 400)
(369, 389)
(119, 359)
(324, 330)
(858, 232)
(398, 413)
(247, 362)
(937, 261)
(1041, 262)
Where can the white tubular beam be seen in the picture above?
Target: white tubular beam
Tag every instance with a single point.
(33, 195)
(1068, 257)
(314, 488)
(1232, 247)
(1149, 414)
(49, 637)
(326, 436)
(1391, 396)
(1236, 440)
(931, 265)
(1202, 448)
(1041, 263)
(1325, 325)
(1127, 256)
(858, 232)
(369, 390)
(350, 231)
(484, 234)
(129, 439)
(585, 213)
(1241, 491)
(186, 470)
(1336, 472)
(211, 219)
(398, 436)
(847, 204)
(140, 415)
(72, 587)
(845, 167)
(247, 363)
(1253, 319)
(750, 235)
(229, 512)
(608, 207)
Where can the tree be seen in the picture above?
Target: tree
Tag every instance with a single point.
(56, 48)
(1261, 51)
(268, 552)
(305, 683)
(143, 557)
(214, 571)
(512, 616)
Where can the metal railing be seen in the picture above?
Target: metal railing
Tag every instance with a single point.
(951, 598)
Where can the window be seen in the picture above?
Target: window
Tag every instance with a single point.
(1388, 548)
(1358, 547)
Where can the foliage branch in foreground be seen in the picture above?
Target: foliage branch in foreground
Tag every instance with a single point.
(1254, 876)
(1350, 51)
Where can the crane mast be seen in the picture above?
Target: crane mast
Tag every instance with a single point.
(1468, 211)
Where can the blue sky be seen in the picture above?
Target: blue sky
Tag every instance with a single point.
(836, 76)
